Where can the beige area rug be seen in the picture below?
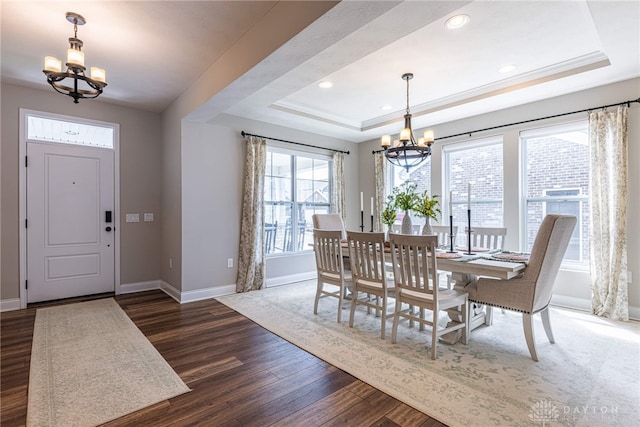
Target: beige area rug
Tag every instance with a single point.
(90, 364)
(590, 377)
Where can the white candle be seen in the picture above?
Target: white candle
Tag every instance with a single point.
(361, 202)
(469, 197)
(372, 206)
(451, 203)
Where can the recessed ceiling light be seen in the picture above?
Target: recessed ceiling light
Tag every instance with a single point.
(457, 21)
(386, 107)
(507, 68)
(71, 132)
(325, 84)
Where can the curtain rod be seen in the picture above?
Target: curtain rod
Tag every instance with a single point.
(293, 142)
(628, 103)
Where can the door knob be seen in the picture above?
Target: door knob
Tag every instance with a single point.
(108, 229)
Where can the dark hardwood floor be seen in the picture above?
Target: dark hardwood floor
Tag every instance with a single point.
(240, 374)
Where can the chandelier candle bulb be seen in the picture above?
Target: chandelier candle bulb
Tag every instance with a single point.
(428, 135)
(386, 140)
(98, 74)
(75, 57)
(52, 64)
(405, 134)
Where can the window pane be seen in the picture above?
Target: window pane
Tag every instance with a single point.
(288, 222)
(480, 164)
(276, 216)
(557, 181)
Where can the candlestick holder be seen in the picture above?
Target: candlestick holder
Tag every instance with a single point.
(361, 220)
(452, 237)
(469, 231)
(371, 224)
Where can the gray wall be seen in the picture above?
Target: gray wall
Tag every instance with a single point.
(140, 174)
(571, 286)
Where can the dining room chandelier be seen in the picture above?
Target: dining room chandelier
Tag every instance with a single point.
(406, 151)
(72, 81)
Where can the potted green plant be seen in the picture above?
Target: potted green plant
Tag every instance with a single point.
(427, 207)
(405, 198)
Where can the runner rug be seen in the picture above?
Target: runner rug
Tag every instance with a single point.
(589, 377)
(90, 364)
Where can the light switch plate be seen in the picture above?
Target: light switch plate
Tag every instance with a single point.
(148, 217)
(133, 217)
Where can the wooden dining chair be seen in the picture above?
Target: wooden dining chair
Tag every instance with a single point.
(491, 238)
(443, 233)
(415, 274)
(530, 293)
(330, 268)
(367, 257)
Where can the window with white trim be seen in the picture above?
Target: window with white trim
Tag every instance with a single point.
(555, 177)
(479, 163)
(297, 185)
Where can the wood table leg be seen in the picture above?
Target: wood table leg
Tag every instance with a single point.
(477, 315)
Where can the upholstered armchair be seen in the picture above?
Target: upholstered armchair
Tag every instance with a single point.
(531, 292)
(329, 222)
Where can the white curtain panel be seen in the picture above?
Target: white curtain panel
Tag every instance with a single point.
(251, 253)
(380, 171)
(607, 219)
(337, 189)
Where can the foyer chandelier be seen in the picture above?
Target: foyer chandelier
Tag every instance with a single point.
(406, 151)
(73, 82)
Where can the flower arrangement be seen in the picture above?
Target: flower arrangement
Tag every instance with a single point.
(405, 198)
(426, 207)
(389, 215)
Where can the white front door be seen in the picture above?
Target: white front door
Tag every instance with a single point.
(70, 243)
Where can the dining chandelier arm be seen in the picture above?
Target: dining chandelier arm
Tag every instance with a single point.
(469, 133)
(243, 133)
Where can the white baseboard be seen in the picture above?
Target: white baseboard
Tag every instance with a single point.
(283, 280)
(585, 305)
(571, 302)
(10, 304)
(129, 288)
(207, 293)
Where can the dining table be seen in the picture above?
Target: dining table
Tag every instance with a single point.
(466, 267)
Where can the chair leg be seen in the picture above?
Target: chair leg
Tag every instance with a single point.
(547, 324)
(354, 299)
(383, 316)
(340, 302)
(434, 332)
(527, 322)
(396, 317)
(318, 290)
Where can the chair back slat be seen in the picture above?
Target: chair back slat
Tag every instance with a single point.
(414, 267)
(366, 252)
(443, 231)
(486, 237)
(328, 251)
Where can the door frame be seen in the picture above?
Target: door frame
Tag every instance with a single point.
(22, 190)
